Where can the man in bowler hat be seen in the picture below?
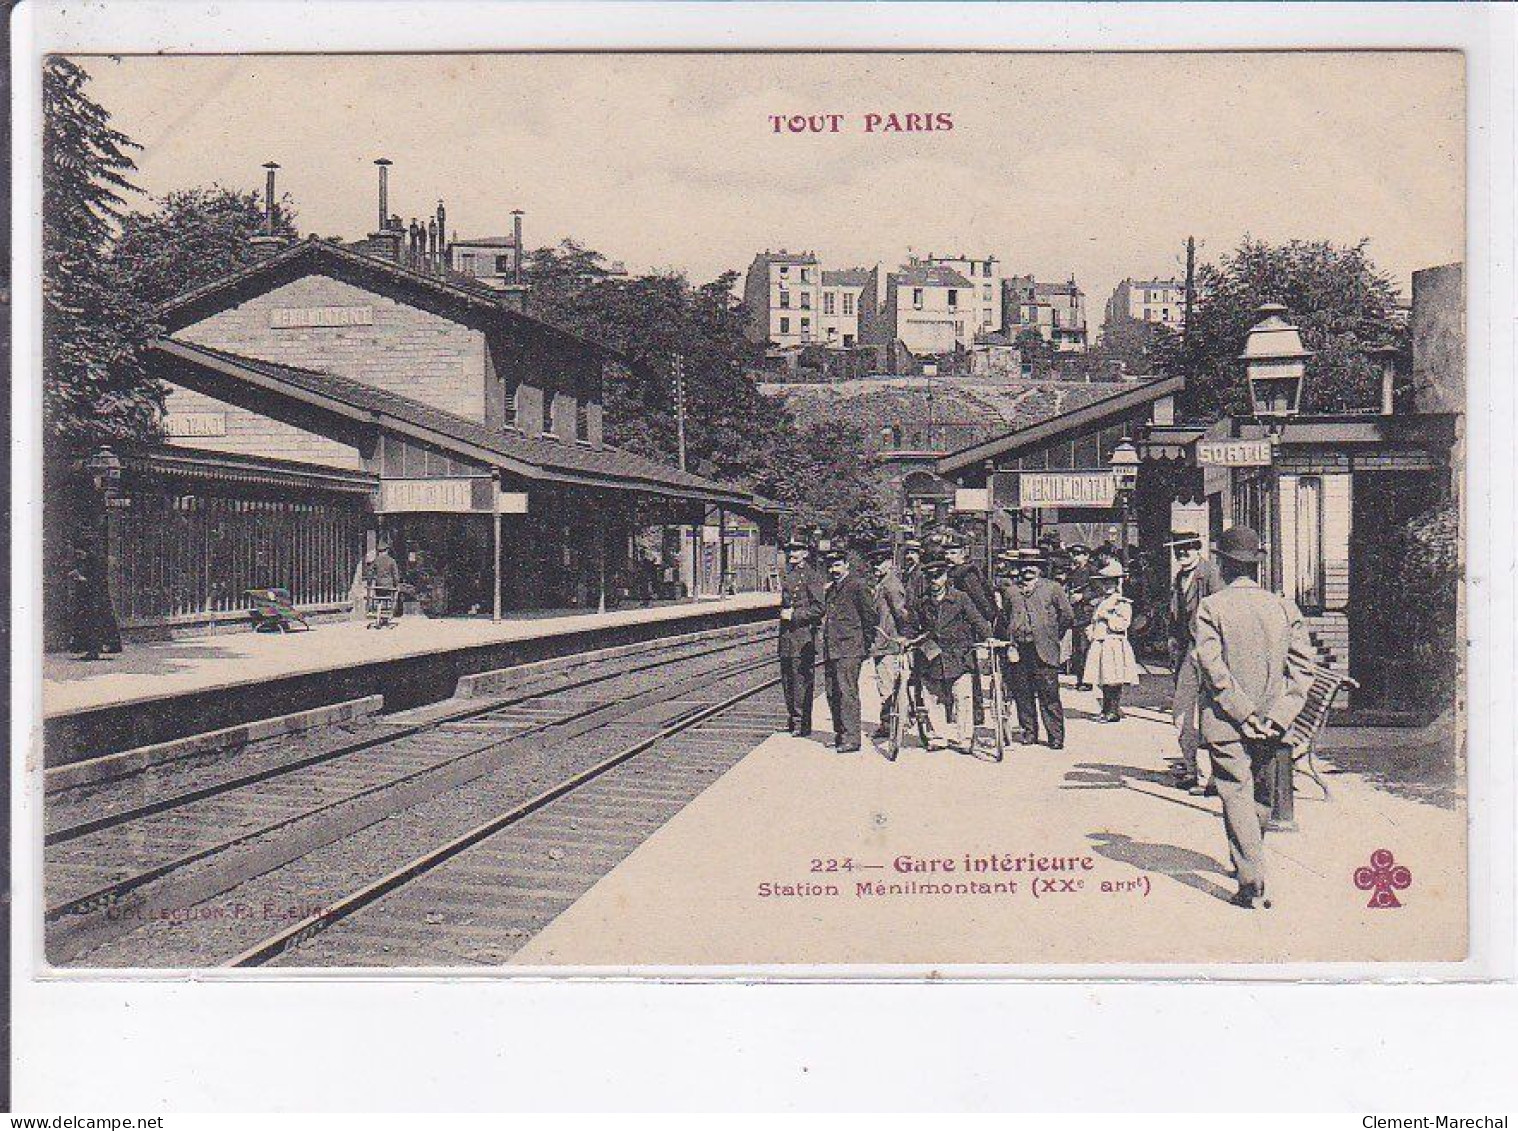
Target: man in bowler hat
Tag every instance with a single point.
(848, 630)
(801, 593)
(1246, 642)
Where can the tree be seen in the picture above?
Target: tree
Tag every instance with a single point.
(1334, 294)
(1132, 342)
(651, 320)
(95, 385)
(192, 237)
(1037, 354)
(827, 475)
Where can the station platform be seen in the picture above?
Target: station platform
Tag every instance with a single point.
(744, 875)
(154, 692)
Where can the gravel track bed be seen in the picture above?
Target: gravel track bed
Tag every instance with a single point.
(210, 932)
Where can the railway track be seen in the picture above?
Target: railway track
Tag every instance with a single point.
(109, 873)
(483, 894)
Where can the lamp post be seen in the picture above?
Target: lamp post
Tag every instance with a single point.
(1275, 362)
(104, 467)
(1125, 465)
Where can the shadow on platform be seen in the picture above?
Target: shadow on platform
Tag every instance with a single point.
(1183, 865)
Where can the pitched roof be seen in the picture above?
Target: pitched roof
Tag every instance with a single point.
(848, 277)
(786, 257)
(527, 456)
(449, 296)
(1011, 442)
(487, 241)
(931, 276)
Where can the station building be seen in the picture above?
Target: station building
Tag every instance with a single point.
(1330, 494)
(329, 398)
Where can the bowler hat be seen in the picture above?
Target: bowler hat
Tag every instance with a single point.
(1240, 544)
(881, 552)
(935, 567)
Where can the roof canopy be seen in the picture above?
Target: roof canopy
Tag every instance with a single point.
(211, 371)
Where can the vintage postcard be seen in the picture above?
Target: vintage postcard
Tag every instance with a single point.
(728, 511)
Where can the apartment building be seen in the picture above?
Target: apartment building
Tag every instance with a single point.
(1161, 301)
(783, 292)
(985, 278)
(849, 301)
(929, 309)
(1056, 310)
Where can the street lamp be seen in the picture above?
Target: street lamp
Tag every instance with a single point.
(105, 469)
(1125, 466)
(1276, 363)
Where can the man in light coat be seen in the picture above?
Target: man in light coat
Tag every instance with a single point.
(1246, 641)
(894, 626)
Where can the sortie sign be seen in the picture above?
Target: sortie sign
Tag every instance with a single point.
(1233, 453)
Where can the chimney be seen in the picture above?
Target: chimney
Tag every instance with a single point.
(271, 166)
(516, 242)
(442, 238)
(384, 164)
(434, 241)
(415, 245)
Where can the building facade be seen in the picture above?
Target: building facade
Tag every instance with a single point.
(783, 293)
(324, 401)
(928, 311)
(1056, 310)
(985, 278)
(1160, 301)
(849, 301)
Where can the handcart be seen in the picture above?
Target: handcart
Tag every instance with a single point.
(1302, 736)
(273, 611)
(379, 605)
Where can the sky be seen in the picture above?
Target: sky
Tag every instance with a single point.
(1096, 165)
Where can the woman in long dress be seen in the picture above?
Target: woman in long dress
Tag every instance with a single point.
(1110, 662)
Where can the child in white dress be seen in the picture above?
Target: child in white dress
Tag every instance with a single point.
(1110, 662)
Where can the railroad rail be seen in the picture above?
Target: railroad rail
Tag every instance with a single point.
(277, 813)
(429, 863)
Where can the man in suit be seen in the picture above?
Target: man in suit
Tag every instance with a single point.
(1037, 638)
(895, 624)
(848, 630)
(1195, 579)
(1077, 588)
(912, 579)
(1246, 641)
(954, 627)
(801, 593)
(967, 576)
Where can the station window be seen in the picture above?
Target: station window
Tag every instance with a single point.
(547, 410)
(511, 406)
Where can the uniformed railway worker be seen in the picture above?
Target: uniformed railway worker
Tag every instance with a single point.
(801, 593)
(1246, 642)
(848, 630)
(1195, 579)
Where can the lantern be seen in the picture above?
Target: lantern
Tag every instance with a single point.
(1276, 364)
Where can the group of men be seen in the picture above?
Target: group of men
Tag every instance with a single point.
(927, 622)
(1239, 655)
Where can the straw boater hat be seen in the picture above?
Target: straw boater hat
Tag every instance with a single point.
(1112, 569)
(1184, 538)
(797, 544)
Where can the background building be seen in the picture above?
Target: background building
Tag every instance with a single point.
(1148, 300)
(1056, 310)
(985, 280)
(849, 302)
(928, 310)
(783, 292)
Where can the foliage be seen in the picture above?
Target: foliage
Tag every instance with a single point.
(95, 386)
(827, 474)
(191, 238)
(1335, 296)
(1132, 342)
(1037, 354)
(1425, 558)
